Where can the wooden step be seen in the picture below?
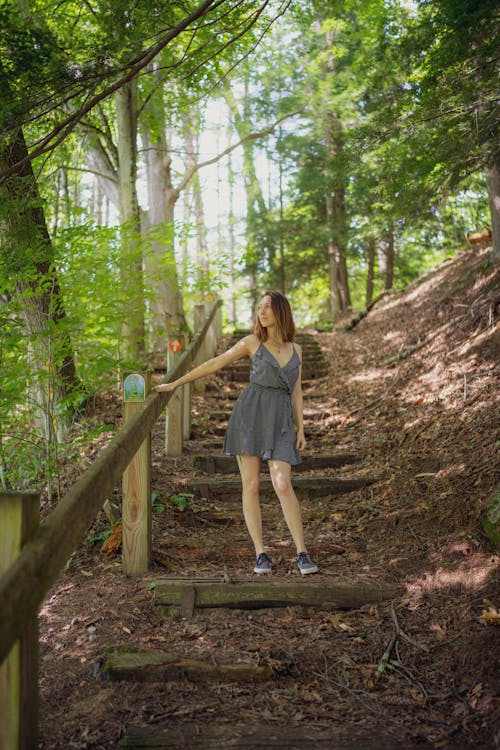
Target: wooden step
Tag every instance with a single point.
(174, 596)
(232, 736)
(159, 666)
(229, 465)
(311, 486)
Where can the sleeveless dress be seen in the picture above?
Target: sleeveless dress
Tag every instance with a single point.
(262, 420)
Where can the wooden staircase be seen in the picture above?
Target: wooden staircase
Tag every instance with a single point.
(217, 476)
(326, 471)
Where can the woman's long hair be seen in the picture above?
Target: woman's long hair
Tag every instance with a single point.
(285, 327)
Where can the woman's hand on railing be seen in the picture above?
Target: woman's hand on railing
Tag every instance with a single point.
(166, 387)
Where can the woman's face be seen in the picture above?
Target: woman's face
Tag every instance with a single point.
(265, 312)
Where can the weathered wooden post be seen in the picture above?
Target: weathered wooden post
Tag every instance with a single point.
(199, 319)
(186, 411)
(211, 337)
(19, 519)
(136, 486)
(174, 427)
(218, 324)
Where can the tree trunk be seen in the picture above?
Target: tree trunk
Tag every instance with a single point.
(386, 258)
(333, 269)
(493, 186)
(335, 216)
(233, 314)
(166, 303)
(98, 160)
(257, 240)
(341, 225)
(131, 268)
(370, 273)
(202, 259)
(29, 257)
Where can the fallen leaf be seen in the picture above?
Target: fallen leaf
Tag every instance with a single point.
(440, 632)
(113, 542)
(490, 616)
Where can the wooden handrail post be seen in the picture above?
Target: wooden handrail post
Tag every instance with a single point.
(136, 486)
(211, 338)
(19, 519)
(199, 319)
(218, 324)
(186, 411)
(174, 428)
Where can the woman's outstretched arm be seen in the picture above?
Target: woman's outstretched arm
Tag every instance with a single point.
(241, 349)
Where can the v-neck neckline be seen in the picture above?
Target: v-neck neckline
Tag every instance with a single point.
(276, 358)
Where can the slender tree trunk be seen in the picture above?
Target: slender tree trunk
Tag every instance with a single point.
(493, 186)
(389, 271)
(99, 161)
(191, 140)
(257, 243)
(341, 226)
(386, 252)
(370, 274)
(281, 241)
(184, 240)
(233, 315)
(29, 257)
(333, 268)
(131, 268)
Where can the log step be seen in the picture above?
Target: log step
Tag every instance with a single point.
(159, 666)
(229, 465)
(312, 486)
(173, 596)
(232, 736)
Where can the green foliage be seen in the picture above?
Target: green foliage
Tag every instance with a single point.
(178, 502)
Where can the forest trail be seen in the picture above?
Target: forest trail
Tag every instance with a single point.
(414, 670)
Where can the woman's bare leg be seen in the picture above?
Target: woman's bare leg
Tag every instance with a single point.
(281, 476)
(250, 478)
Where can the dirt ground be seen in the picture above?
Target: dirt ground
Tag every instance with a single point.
(420, 671)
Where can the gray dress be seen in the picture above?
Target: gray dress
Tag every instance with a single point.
(262, 420)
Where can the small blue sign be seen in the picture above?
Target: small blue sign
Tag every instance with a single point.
(134, 388)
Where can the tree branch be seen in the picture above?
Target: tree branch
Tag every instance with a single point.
(250, 137)
(63, 130)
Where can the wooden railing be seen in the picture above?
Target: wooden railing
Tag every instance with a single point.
(26, 582)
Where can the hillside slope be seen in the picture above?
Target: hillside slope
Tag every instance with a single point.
(419, 670)
(429, 419)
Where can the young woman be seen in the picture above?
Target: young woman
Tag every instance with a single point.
(267, 420)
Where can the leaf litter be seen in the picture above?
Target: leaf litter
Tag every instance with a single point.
(420, 669)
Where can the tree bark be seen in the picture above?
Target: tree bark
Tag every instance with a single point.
(370, 273)
(386, 253)
(131, 266)
(29, 256)
(191, 139)
(162, 276)
(233, 313)
(258, 241)
(333, 268)
(493, 187)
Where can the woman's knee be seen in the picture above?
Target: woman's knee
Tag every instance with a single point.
(251, 485)
(282, 484)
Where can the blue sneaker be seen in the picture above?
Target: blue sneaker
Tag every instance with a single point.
(305, 564)
(263, 564)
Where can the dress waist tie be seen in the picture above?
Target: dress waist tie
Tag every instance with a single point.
(288, 415)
